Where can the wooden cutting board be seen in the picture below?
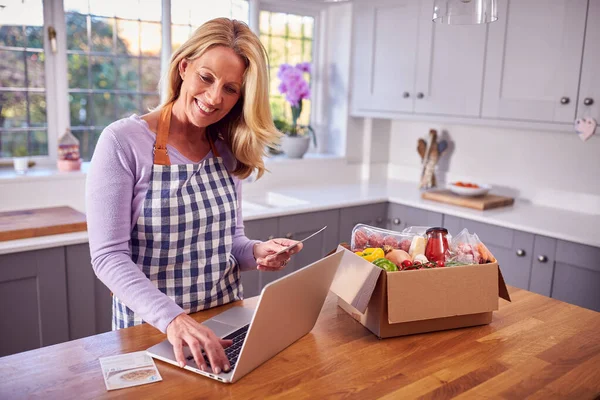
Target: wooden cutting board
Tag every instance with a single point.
(485, 202)
(40, 222)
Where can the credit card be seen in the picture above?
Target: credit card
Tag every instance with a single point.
(297, 243)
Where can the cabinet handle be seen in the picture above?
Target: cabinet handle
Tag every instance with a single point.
(420, 95)
(379, 220)
(542, 259)
(396, 221)
(521, 253)
(406, 95)
(588, 101)
(565, 100)
(271, 237)
(289, 235)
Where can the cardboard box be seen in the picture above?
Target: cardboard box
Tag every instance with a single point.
(408, 302)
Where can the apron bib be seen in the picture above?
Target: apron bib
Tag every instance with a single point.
(183, 237)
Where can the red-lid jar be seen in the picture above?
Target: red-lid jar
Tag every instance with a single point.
(437, 245)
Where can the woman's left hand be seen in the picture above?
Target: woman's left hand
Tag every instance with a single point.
(264, 253)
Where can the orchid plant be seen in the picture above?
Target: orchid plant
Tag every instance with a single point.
(295, 88)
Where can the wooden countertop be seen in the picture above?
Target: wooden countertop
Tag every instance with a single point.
(535, 346)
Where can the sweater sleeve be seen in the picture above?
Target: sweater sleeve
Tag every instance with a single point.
(243, 247)
(109, 191)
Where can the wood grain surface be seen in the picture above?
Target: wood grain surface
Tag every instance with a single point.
(535, 347)
(24, 224)
(485, 202)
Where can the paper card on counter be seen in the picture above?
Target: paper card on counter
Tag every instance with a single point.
(126, 370)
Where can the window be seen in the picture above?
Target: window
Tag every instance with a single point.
(113, 63)
(288, 38)
(187, 15)
(23, 125)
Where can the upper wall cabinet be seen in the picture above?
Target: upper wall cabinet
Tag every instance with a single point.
(533, 60)
(404, 63)
(589, 92)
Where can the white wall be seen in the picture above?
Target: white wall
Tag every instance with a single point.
(545, 167)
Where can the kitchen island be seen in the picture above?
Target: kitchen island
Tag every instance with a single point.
(535, 346)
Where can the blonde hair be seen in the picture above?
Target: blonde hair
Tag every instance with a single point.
(248, 128)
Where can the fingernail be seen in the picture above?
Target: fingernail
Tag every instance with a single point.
(227, 368)
(217, 370)
(181, 364)
(203, 368)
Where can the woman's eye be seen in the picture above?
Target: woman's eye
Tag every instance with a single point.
(231, 90)
(206, 78)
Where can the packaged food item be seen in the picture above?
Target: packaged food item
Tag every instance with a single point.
(466, 248)
(68, 152)
(437, 245)
(366, 236)
(417, 246)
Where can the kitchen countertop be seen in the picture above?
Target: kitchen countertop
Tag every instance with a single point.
(553, 222)
(535, 347)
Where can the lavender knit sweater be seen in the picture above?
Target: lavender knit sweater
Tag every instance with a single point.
(116, 186)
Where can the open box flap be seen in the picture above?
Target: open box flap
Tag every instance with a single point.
(442, 292)
(355, 280)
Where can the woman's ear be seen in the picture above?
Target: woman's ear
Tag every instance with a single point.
(183, 66)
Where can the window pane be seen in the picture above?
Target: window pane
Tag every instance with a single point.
(102, 34)
(277, 51)
(38, 143)
(87, 141)
(128, 37)
(279, 108)
(15, 143)
(128, 104)
(307, 55)
(103, 109)
(12, 69)
(79, 109)
(149, 103)
(151, 40)
(77, 71)
(77, 38)
(294, 25)
(179, 34)
(274, 84)
(278, 23)
(149, 10)
(128, 73)
(294, 48)
(13, 110)
(264, 22)
(150, 74)
(107, 8)
(37, 109)
(309, 23)
(35, 37)
(12, 36)
(104, 73)
(80, 6)
(35, 70)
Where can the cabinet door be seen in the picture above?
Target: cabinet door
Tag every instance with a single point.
(90, 303)
(534, 60)
(577, 274)
(401, 216)
(33, 294)
(589, 91)
(298, 227)
(449, 67)
(513, 249)
(542, 265)
(384, 55)
(372, 214)
(261, 229)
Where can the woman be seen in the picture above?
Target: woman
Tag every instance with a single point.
(164, 193)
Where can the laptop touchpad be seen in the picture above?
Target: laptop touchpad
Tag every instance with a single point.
(220, 329)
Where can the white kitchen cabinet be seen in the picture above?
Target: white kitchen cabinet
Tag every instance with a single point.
(404, 63)
(384, 55)
(589, 91)
(533, 60)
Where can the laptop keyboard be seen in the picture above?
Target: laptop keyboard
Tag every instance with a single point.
(232, 352)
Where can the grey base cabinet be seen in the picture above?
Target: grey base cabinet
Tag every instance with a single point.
(370, 214)
(401, 217)
(263, 230)
(33, 300)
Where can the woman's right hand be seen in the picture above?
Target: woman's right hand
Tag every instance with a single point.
(184, 330)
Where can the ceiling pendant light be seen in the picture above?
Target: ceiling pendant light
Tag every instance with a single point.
(465, 12)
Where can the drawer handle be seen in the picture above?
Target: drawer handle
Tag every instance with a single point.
(271, 237)
(521, 253)
(565, 100)
(396, 221)
(542, 259)
(289, 235)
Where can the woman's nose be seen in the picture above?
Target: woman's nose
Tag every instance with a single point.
(215, 95)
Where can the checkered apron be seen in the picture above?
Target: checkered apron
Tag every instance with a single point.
(183, 237)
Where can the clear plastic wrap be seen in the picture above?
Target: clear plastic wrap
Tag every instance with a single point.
(365, 236)
(467, 248)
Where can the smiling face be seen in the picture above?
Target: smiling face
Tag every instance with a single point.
(212, 85)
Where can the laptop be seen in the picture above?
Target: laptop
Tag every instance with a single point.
(288, 309)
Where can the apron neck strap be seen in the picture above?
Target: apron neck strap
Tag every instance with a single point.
(161, 155)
